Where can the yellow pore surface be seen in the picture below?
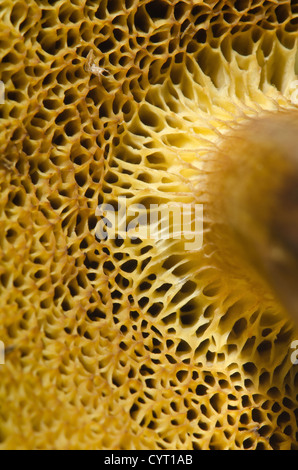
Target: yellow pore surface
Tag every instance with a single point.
(134, 343)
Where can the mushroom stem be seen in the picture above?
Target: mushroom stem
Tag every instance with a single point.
(256, 201)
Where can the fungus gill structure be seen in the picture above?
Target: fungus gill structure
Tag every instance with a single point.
(132, 343)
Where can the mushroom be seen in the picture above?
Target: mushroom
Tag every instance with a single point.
(133, 342)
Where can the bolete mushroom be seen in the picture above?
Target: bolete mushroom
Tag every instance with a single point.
(131, 342)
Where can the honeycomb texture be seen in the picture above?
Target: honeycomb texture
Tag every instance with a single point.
(134, 344)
